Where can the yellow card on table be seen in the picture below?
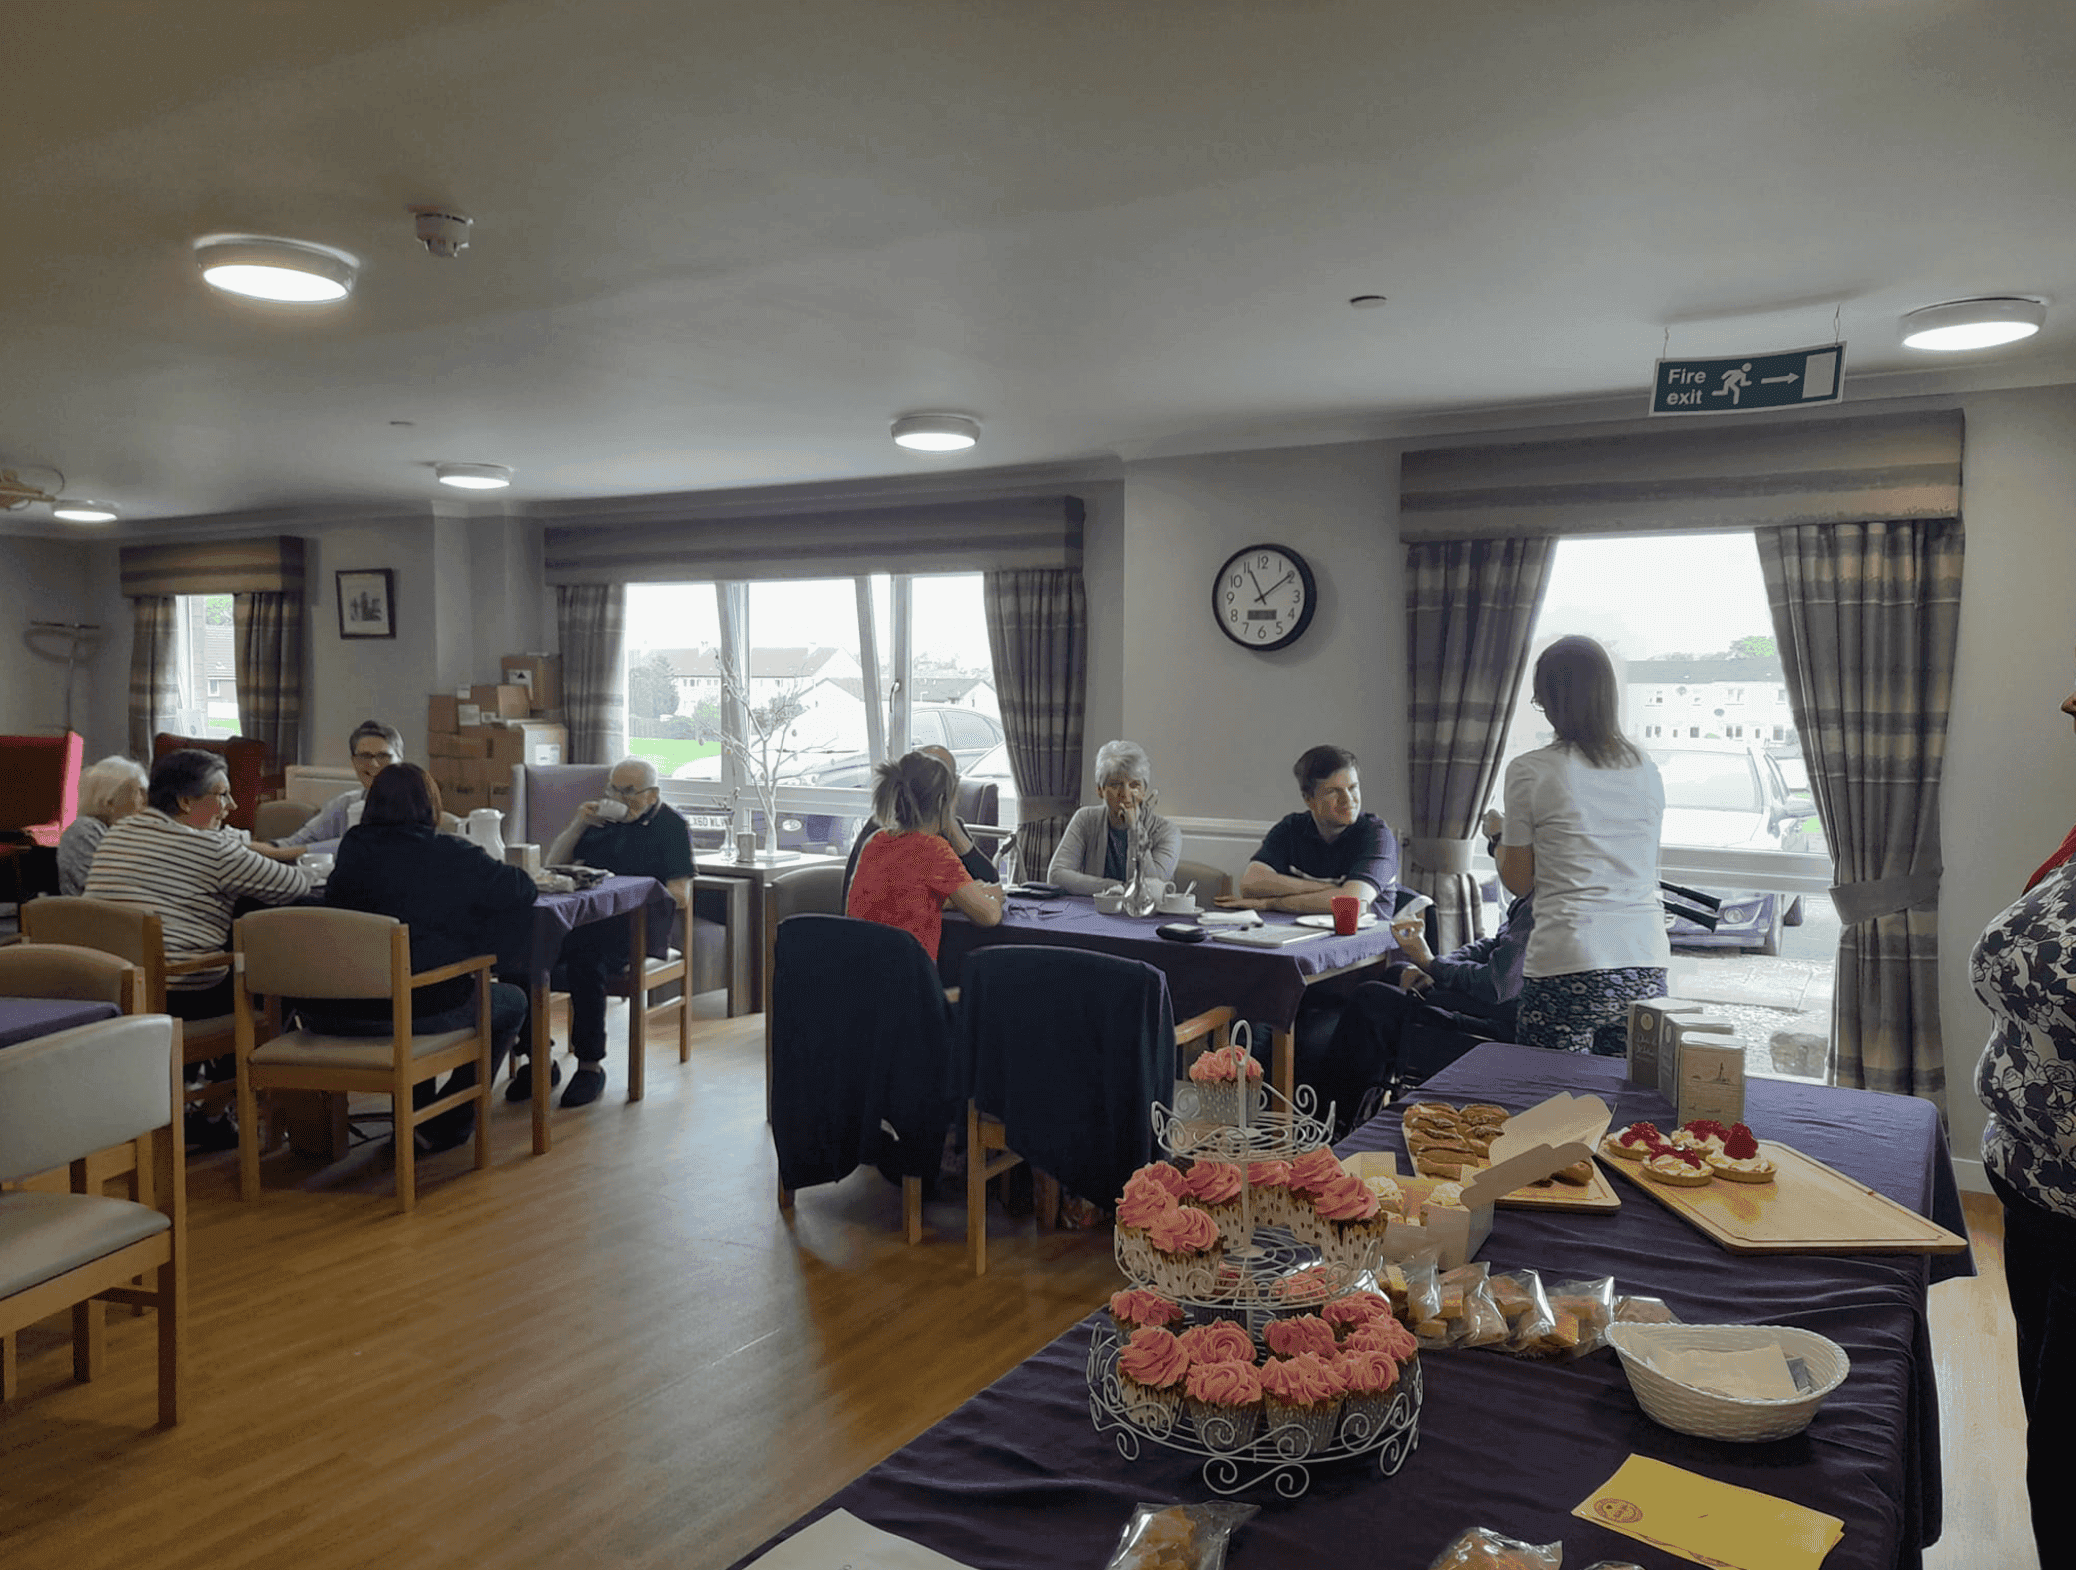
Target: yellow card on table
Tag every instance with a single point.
(1708, 1522)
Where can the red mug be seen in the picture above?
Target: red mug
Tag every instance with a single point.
(1347, 913)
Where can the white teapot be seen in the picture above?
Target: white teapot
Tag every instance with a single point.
(486, 827)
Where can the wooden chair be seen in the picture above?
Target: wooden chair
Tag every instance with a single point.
(1210, 881)
(863, 1057)
(275, 820)
(1003, 1071)
(302, 952)
(56, 970)
(82, 1249)
(135, 933)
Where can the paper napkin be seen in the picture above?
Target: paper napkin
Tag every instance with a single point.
(1709, 1522)
(840, 1541)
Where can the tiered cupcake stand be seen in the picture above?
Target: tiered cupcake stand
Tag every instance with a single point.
(1206, 1124)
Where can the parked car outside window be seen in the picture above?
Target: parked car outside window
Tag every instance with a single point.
(1734, 798)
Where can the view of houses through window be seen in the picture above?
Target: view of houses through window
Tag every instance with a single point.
(808, 694)
(1686, 621)
(206, 663)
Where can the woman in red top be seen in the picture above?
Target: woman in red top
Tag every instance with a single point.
(907, 872)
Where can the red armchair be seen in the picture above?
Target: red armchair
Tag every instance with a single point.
(39, 797)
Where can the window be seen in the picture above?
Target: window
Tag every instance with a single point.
(205, 666)
(808, 644)
(1737, 823)
(1657, 695)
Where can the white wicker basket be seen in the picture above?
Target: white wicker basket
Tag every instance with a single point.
(1715, 1416)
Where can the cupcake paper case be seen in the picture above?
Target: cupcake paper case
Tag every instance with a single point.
(1301, 1402)
(1224, 1401)
(1151, 1370)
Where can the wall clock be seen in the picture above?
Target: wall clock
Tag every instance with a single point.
(1264, 596)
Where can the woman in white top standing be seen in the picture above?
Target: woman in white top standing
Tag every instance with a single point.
(1581, 829)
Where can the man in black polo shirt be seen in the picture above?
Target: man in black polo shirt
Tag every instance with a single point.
(651, 841)
(1332, 847)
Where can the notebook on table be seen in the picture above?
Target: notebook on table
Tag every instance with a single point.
(1267, 937)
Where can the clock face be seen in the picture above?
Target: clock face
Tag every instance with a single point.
(1263, 598)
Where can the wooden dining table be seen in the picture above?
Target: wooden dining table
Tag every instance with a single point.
(1267, 985)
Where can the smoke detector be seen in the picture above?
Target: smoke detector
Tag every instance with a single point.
(443, 233)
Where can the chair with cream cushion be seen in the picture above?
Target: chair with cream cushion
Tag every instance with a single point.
(57, 970)
(62, 1098)
(135, 933)
(305, 952)
(1210, 881)
(276, 820)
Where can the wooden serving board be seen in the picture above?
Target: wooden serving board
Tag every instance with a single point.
(1808, 1208)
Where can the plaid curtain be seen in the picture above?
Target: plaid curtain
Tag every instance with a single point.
(1470, 605)
(1866, 615)
(1038, 636)
(268, 631)
(154, 677)
(591, 627)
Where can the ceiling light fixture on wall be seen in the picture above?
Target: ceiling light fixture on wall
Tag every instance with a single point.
(473, 476)
(77, 509)
(288, 272)
(936, 432)
(1973, 324)
(17, 493)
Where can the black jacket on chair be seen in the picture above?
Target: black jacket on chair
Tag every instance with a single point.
(454, 898)
(1069, 1049)
(861, 1043)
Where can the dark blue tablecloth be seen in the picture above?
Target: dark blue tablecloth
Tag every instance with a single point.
(529, 949)
(24, 1019)
(1017, 1478)
(1261, 984)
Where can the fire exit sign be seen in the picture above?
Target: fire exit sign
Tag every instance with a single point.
(1785, 379)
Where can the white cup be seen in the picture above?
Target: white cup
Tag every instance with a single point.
(608, 810)
(1179, 905)
(319, 867)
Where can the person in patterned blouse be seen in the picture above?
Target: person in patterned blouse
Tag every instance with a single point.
(2024, 970)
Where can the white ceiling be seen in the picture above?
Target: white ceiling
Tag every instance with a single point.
(722, 245)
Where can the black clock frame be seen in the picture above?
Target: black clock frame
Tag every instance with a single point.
(1305, 576)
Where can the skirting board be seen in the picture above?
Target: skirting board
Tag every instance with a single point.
(1968, 1173)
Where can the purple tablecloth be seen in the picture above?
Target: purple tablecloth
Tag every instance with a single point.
(24, 1019)
(1019, 1478)
(1260, 984)
(555, 916)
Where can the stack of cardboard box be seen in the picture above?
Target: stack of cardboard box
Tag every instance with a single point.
(474, 735)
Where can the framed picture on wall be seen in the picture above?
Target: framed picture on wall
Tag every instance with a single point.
(367, 604)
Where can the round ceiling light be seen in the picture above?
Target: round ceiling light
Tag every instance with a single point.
(291, 272)
(77, 509)
(1973, 324)
(936, 432)
(473, 476)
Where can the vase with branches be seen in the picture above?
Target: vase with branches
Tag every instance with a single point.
(765, 745)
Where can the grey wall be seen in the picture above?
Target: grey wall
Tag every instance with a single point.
(47, 580)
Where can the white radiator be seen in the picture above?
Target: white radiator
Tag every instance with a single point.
(318, 783)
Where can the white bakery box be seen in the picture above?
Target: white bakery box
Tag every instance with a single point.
(1545, 1139)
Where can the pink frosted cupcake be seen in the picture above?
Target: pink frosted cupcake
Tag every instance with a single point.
(1167, 1175)
(1310, 1173)
(1301, 1402)
(1369, 1381)
(1384, 1334)
(1224, 1401)
(1136, 1309)
(1226, 1081)
(1270, 1181)
(1221, 1341)
(1214, 1188)
(1302, 1291)
(1186, 1252)
(1297, 1336)
(1145, 1200)
(1348, 1222)
(1150, 1373)
(1351, 1313)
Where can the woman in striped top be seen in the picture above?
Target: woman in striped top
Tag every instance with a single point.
(171, 858)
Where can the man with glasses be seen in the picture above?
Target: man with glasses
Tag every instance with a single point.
(628, 831)
(374, 747)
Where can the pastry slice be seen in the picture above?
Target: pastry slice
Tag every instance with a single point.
(1739, 1160)
(1677, 1169)
(1634, 1143)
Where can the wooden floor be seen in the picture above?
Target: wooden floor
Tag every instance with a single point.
(617, 1355)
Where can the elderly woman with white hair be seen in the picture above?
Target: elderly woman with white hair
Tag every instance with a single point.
(1095, 851)
(109, 791)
